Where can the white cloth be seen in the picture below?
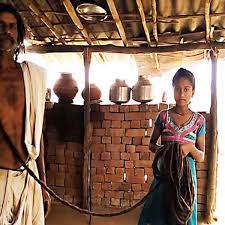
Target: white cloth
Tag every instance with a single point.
(35, 90)
(21, 200)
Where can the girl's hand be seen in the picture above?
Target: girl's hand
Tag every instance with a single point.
(186, 148)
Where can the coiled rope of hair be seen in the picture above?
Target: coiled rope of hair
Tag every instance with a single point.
(53, 194)
(170, 164)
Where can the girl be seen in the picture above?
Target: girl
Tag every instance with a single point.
(182, 125)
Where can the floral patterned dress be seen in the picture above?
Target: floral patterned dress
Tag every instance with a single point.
(155, 210)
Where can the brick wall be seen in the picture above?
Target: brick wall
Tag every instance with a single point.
(121, 170)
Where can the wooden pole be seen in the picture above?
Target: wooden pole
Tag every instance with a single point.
(213, 153)
(88, 130)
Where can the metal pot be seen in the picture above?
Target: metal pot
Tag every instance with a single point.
(119, 92)
(142, 90)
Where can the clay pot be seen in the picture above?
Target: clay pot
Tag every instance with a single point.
(95, 93)
(65, 88)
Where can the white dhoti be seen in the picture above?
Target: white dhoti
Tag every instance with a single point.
(20, 198)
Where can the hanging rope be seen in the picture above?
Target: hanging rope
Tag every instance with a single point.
(66, 203)
(169, 164)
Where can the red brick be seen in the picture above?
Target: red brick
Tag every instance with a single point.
(202, 166)
(115, 132)
(99, 132)
(139, 172)
(60, 179)
(124, 108)
(106, 186)
(201, 199)
(97, 124)
(202, 183)
(116, 163)
(125, 156)
(98, 148)
(100, 170)
(135, 179)
(149, 132)
(115, 155)
(130, 148)
(98, 178)
(151, 115)
(114, 194)
(120, 171)
(116, 124)
(125, 203)
(134, 156)
(128, 195)
(97, 163)
(105, 202)
(114, 108)
(115, 202)
(145, 156)
(96, 140)
(153, 107)
(106, 123)
(144, 123)
(115, 147)
(201, 207)
(136, 187)
(126, 140)
(145, 141)
(135, 132)
(114, 116)
(129, 164)
(62, 168)
(142, 148)
(134, 116)
(110, 170)
(116, 140)
(104, 108)
(135, 124)
(139, 195)
(121, 186)
(130, 171)
(145, 187)
(97, 186)
(125, 124)
(142, 163)
(136, 140)
(97, 194)
(163, 106)
(95, 156)
(113, 178)
(134, 108)
(144, 107)
(60, 158)
(105, 156)
(106, 140)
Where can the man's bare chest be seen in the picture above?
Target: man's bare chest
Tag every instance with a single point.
(12, 91)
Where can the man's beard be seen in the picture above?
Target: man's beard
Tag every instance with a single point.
(7, 43)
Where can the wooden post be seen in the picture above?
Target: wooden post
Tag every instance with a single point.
(213, 153)
(87, 136)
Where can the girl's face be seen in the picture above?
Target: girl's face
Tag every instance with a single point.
(183, 92)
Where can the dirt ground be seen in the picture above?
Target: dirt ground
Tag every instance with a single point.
(62, 215)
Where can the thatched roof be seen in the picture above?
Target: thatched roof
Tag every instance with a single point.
(149, 25)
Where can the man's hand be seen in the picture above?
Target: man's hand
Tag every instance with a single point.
(47, 202)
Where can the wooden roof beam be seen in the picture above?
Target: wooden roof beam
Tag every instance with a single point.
(117, 20)
(207, 19)
(128, 50)
(154, 15)
(73, 15)
(34, 6)
(143, 20)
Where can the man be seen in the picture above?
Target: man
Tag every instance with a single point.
(22, 92)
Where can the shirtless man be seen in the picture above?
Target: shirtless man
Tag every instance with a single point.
(12, 117)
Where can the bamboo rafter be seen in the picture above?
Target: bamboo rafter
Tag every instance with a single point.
(35, 8)
(207, 19)
(154, 15)
(117, 20)
(143, 20)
